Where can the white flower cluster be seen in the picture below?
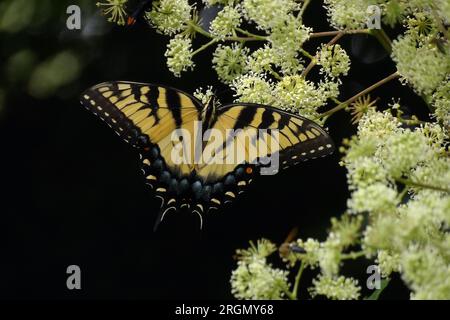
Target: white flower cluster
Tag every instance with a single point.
(253, 88)
(286, 39)
(441, 103)
(226, 22)
(426, 271)
(179, 55)
(229, 61)
(255, 278)
(293, 93)
(424, 67)
(336, 288)
(344, 14)
(169, 16)
(334, 60)
(115, 9)
(417, 215)
(267, 14)
(388, 262)
(204, 95)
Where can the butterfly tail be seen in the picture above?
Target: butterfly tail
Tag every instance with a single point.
(171, 205)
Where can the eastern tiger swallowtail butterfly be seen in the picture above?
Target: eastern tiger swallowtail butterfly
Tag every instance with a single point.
(146, 115)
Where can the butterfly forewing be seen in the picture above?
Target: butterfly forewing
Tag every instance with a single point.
(144, 114)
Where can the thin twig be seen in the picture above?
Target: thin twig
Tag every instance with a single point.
(344, 104)
(353, 255)
(314, 60)
(203, 47)
(304, 6)
(334, 33)
(205, 33)
(410, 183)
(252, 35)
(382, 38)
(297, 280)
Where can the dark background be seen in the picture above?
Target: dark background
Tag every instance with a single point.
(72, 192)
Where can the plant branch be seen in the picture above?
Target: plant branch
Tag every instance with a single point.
(205, 33)
(306, 53)
(297, 280)
(203, 47)
(344, 104)
(353, 255)
(275, 74)
(336, 32)
(379, 34)
(252, 35)
(382, 38)
(411, 122)
(314, 60)
(304, 7)
(440, 24)
(410, 183)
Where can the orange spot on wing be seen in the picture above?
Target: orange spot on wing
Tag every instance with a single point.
(131, 21)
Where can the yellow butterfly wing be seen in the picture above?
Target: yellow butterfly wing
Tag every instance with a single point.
(298, 139)
(145, 115)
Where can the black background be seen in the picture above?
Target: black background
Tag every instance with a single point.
(72, 192)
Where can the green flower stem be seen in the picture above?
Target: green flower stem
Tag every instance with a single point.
(402, 194)
(383, 38)
(440, 23)
(335, 100)
(203, 47)
(304, 7)
(200, 30)
(344, 104)
(313, 62)
(297, 280)
(411, 122)
(275, 74)
(289, 295)
(252, 35)
(376, 294)
(379, 34)
(410, 183)
(306, 53)
(353, 255)
(205, 33)
(335, 33)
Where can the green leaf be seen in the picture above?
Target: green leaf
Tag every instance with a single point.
(376, 294)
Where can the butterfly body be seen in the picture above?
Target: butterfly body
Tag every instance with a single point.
(147, 116)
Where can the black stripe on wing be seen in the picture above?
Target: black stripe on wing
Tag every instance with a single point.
(307, 139)
(123, 106)
(101, 106)
(173, 100)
